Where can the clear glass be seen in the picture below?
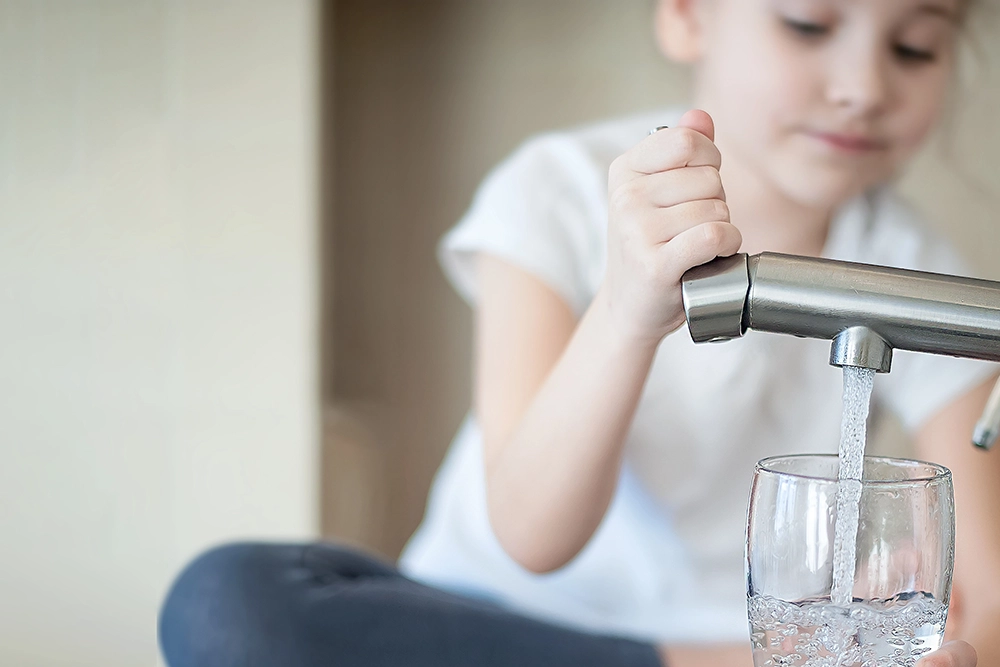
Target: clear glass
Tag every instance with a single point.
(902, 577)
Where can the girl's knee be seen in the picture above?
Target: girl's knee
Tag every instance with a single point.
(213, 602)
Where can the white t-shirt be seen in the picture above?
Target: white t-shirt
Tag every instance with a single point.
(666, 563)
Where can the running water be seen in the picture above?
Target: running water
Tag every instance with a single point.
(858, 384)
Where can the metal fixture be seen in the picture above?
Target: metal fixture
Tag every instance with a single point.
(866, 310)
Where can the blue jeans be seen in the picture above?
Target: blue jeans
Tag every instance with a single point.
(321, 605)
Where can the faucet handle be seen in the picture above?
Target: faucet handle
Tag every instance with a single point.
(715, 296)
(988, 426)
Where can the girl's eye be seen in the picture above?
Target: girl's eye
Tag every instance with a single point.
(910, 54)
(805, 28)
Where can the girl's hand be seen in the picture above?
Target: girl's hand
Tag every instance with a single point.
(952, 654)
(667, 213)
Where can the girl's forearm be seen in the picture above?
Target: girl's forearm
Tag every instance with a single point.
(551, 484)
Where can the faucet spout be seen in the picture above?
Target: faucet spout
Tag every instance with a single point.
(866, 310)
(860, 346)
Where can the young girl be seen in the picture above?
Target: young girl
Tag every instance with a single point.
(592, 510)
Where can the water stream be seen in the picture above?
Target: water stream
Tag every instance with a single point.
(858, 384)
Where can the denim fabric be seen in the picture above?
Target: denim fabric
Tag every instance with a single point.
(320, 605)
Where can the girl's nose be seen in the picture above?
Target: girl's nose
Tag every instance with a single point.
(858, 83)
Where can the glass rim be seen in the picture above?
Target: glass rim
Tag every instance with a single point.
(940, 472)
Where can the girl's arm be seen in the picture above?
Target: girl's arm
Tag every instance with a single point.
(946, 439)
(554, 398)
(554, 401)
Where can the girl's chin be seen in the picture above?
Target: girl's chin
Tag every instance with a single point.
(822, 190)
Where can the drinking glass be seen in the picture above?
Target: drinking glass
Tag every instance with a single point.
(902, 577)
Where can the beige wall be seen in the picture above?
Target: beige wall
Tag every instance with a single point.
(429, 96)
(157, 306)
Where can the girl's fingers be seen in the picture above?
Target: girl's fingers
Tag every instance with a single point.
(673, 148)
(700, 244)
(952, 654)
(699, 120)
(660, 225)
(669, 188)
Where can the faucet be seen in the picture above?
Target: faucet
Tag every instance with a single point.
(867, 311)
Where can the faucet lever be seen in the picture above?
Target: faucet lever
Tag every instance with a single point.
(988, 426)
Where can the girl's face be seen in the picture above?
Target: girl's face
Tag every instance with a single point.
(824, 98)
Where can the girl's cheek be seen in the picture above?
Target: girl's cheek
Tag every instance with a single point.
(790, 91)
(923, 110)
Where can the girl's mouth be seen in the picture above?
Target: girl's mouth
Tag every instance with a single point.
(848, 143)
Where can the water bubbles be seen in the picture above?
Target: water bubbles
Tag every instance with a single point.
(817, 633)
(851, 656)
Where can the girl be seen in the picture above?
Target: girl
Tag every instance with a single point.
(591, 511)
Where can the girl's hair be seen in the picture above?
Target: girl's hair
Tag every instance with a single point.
(978, 20)
(974, 11)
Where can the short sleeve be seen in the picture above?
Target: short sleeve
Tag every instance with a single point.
(920, 385)
(536, 210)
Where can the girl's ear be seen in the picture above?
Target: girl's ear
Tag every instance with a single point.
(679, 29)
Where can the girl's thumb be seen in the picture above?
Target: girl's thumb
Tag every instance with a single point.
(698, 120)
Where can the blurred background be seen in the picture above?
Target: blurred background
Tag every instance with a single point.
(221, 315)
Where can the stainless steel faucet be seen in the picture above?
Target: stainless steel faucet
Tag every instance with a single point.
(867, 311)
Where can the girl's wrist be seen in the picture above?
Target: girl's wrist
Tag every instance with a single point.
(620, 336)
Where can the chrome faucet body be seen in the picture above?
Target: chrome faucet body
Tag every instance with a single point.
(866, 311)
